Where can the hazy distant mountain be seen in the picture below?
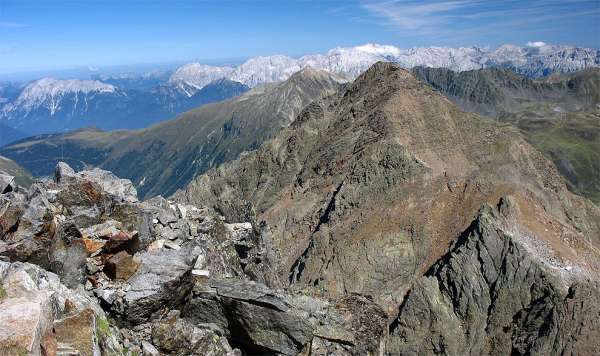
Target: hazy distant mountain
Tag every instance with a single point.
(534, 61)
(132, 81)
(166, 156)
(52, 105)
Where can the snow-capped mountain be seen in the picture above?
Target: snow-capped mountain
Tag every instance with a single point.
(50, 94)
(536, 59)
(53, 105)
(194, 76)
(129, 100)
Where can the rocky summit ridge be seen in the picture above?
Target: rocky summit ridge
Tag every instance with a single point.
(382, 221)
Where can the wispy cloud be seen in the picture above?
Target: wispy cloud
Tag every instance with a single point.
(9, 24)
(437, 17)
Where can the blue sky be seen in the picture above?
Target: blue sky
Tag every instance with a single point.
(44, 34)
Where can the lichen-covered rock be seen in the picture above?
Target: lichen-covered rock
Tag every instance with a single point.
(78, 332)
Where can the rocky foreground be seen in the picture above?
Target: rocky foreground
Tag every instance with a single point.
(87, 269)
(383, 221)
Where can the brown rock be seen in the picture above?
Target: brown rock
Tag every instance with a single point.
(78, 332)
(122, 241)
(121, 266)
(10, 212)
(69, 306)
(48, 344)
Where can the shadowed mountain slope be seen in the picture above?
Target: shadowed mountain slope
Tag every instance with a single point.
(22, 177)
(8, 134)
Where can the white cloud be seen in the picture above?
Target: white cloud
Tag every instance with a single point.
(535, 44)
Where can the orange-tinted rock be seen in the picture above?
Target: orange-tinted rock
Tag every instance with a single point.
(91, 246)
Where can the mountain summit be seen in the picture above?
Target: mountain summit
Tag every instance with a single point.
(377, 189)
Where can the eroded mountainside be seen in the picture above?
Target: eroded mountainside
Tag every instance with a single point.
(383, 221)
(559, 115)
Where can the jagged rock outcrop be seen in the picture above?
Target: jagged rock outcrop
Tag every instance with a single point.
(499, 292)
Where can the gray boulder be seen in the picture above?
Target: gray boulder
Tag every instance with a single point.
(258, 319)
(120, 188)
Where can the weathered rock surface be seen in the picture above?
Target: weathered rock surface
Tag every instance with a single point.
(367, 189)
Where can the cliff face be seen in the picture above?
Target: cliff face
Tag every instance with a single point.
(371, 190)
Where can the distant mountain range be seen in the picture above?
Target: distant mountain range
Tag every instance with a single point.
(559, 115)
(533, 61)
(135, 101)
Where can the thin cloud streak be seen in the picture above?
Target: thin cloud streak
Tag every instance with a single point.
(434, 17)
(8, 24)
